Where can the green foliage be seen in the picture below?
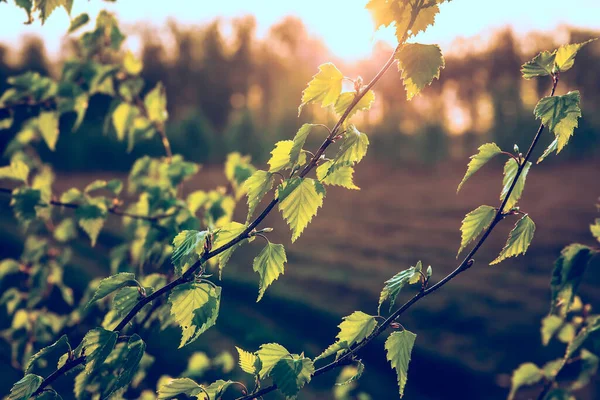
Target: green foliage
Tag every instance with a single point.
(24, 388)
(519, 239)
(549, 63)
(17, 170)
(269, 265)
(550, 325)
(560, 114)
(346, 98)
(194, 307)
(353, 329)
(341, 176)
(485, 153)
(249, 362)
(398, 348)
(299, 200)
(112, 284)
(98, 344)
(62, 343)
(224, 236)
(257, 186)
(324, 88)
(394, 285)
(527, 374)
(511, 169)
(474, 224)
(269, 355)
(420, 65)
(188, 246)
(567, 275)
(175, 387)
(291, 373)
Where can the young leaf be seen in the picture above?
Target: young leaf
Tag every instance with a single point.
(131, 64)
(518, 240)
(394, 285)
(98, 344)
(595, 229)
(485, 154)
(350, 374)
(298, 143)
(23, 389)
(567, 275)
(257, 186)
(588, 369)
(527, 374)
(114, 186)
(565, 55)
(540, 65)
(474, 223)
(341, 176)
(269, 354)
(280, 156)
(325, 87)
(194, 307)
(299, 202)
(352, 150)
(25, 203)
(47, 125)
(131, 356)
(550, 325)
(17, 170)
(290, 374)
(180, 386)
(560, 114)
(156, 104)
(61, 345)
(249, 362)
(399, 346)
(510, 172)
(187, 246)
(353, 329)
(223, 236)
(381, 12)
(269, 265)
(112, 284)
(549, 150)
(215, 390)
(420, 65)
(91, 218)
(346, 98)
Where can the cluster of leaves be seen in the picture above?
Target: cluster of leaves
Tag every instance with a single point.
(571, 322)
(171, 244)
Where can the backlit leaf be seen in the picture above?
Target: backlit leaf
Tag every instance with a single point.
(342, 176)
(122, 118)
(61, 345)
(24, 388)
(346, 98)
(180, 386)
(187, 246)
(269, 264)
(98, 344)
(394, 285)
(257, 186)
(398, 348)
(78, 22)
(527, 374)
(550, 325)
(112, 284)
(420, 65)
(290, 374)
(299, 201)
(269, 354)
(510, 173)
(540, 65)
(565, 55)
(518, 241)
(249, 362)
(156, 104)
(17, 170)
(47, 124)
(474, 223)
(324, 88)
(560, 114)
(353, 329)
(485, 153)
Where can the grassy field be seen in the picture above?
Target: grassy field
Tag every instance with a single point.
(471, 334)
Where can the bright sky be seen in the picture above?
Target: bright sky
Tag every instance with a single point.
(345, 25)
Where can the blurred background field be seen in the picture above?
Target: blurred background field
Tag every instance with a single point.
(229, 90)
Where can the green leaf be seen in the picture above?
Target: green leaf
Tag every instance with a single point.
(91, 218)
(380, 12)
(290, 374)
(510, 172)
(353, 329)
(249, 362)
(565, 55)
(23, 389)
(257, 186)
(269, 354)
(567, 333)
(61, 344)
(399, 346)
(299, 202)
(298, 142)
(485, 154)
(281, 156)
(550, 325)
(593, 325)
(25, 202)
(595, 229)
(225, 235)
(518, 240)
(194, 307)
(131, 356)
(17, 170)
(269, 265)
(549, 150)
(394, 285)
(156, 104)
(114, 186)
(589, 368)
(527, 374)
(131, 64)
(351, 374)
(324, 88)
(215, 390)
(567, 275)
(352, 150)
(97, 345)
(474, 223)
(122, 118)
(560, 114)
(540, 65)
(46, 7)
(346, 98)
(180, 386)
(78, 22)
(187, 246)
(341, 176)
(47, 125)
(112, 284)
(420, 65)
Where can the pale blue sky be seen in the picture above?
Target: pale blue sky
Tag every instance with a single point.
(345, 25)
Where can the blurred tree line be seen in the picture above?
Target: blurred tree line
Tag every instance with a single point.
(228, 90)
